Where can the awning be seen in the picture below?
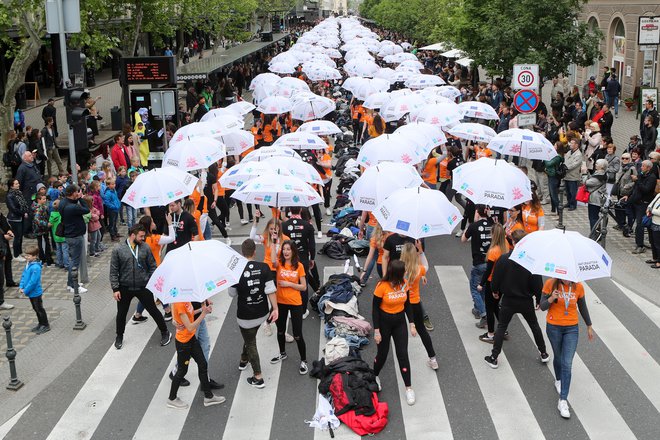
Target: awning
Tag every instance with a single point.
(437, 46)
(467, 62)
(454, 53)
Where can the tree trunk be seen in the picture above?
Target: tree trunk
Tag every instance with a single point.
(138, 27)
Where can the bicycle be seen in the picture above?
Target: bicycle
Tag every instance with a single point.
(599, 232)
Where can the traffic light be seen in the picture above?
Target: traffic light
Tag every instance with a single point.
(74, 101)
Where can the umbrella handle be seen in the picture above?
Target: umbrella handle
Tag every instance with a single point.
(332, 433)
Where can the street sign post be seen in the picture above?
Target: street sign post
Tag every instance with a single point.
(526, 101)
(163, 103)
(525, 76)
(527, 119)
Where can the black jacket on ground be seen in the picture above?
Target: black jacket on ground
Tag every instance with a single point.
(514, 282)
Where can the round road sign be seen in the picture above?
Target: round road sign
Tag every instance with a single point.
(526, 78)
(526, 101)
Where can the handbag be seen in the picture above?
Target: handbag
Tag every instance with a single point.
(647, 221)
(582, 194)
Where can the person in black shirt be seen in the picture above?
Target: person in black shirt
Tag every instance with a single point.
(185, 227)
(392, 248)
(479, 235)
(302, 234)
(255, 289)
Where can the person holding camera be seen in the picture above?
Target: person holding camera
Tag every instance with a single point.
(254, 291)
(72, 209)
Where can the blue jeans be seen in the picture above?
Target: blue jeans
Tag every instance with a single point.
(613, 102)
(76, 246)
(62, 250)
(208, 234)
(204, 339)
(571, 192)
(477, 297)
(564, 340)
(131, 215)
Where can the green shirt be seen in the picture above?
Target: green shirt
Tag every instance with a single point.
(55, 219)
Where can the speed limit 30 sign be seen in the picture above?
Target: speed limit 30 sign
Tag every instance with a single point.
(525, 76)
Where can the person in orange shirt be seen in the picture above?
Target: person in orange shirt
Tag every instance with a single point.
(532, 215)
(269, 130)
(376, 242)
(430, 171)
(563, 299)
(324, 160)
(189, 206)
(513, 222)
(482, 150)
(257, 132)
(391, 299)
(498, 247)
(187, 346)
(417, 265)
(291, 282)
(357, 112)
(374, 124)
(156, 243)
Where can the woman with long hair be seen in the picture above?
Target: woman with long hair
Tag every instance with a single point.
(391, 300)
(513, 222)
(563, 299)
(376, 243)
(18, 216)
(532, 214)
(417, 266)
(291, 282)
(498, 247)
(189, 206)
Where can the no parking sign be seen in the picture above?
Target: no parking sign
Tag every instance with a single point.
(525, 76)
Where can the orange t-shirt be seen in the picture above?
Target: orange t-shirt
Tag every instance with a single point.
(221, 189)
(197, 197)
(414, 286)
(152, 242)
(267, 259)
(328, 171)
(257, 136)
(430, 172)
(289, 295)
(444, 172)
(493, 255)
(268, 133)
(531, 219)
(372, 219)
(394, 299)
(183, 308)
(559, 313)
(482, 152)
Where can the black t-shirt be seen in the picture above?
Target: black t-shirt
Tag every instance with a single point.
(302, 234)
(185, 228)
(158, 215)
(252, 301)
(394, 244)
(479, 232)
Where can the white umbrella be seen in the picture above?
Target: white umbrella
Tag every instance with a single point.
(413, 64)
(425, 136)
(450, 92)
(567, 255)
(263, 91)
(471, 131)
(159, 187)
(385, 73)
(443, 114)
(264, 153)
(289, 86)
(300, 141)
(379, 181)
(389, 49)
(401, 76)
(203, 129)
(285, 57)
(240, 174)
(332, 53)
(422, 81)
(262, 78)
(277, 191)
(360, 53)
(320, 128)
(406, 45)
(492, 182)
(282, 67)
(353, 82)
(399, 57)
(323, 73)
(360, 67)
(478, 110)
(219, 113)
(390, 148)
(363, 90)
(241, 108)
(377, 100)
(310, 108)
(433, 98)
(418, 213)
(523, 143)
(400, 106)
(196, 272)
(193, 155)
(237, 142)
(275, 105)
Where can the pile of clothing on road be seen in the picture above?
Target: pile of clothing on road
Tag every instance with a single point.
(350, 386)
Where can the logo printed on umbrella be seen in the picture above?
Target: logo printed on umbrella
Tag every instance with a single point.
(191, 162)
(296, 199)
(426, 228)
(170, 195)
(549, 267)
(452, 219)
(516, 148)
(210, 285)
(257, 186)
(158, 285)
(288, 187)
(174, 292)
(402, 225)
(527, 138)
(385, 212)
(605, 260)
(517, 193)
(405, 158)
(131, 196)
(144, 199)
(267, 198)
(233, 262)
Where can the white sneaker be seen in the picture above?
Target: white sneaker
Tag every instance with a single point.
(378, 383)
(244, 222)
(268, 331)
(5, 306)
(558, 386)
(288, 337)
(328, 211)
(306, 314)
(20, 259)
(562, 406)
(215, 400)
(228, 241)
(227, 224)
(410, 396)
(81, 289)
(177, 404)
(459, 234)
(432, 363)
(319, 234)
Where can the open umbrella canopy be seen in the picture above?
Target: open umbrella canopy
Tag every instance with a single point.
(450, 92)
(417, 212)
(241, 108)
(196, 272)
(400, 106)
(263, 78)
(390, 148)
(380, 181)
(320, 128)
(289, 86)
(422, 81)
(301, 141)
(471, 131)
(313, 107)
(265, 153)
(159, 187)
(220, 113)
(195, 154)
(282, 67)
(365, 89)
(361, 67)
(442, 114)
(240, 174)
(425, 136)
(492, 182)
(478, 110)
(567, 255)
(277, 191)
(275, 105)
(377, 100)
(399, 57)
(209, 129)
(523, 143)
(237, 142)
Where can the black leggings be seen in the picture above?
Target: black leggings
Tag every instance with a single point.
(185, 351)
(45, 253)
(357, 132)
(223, 207)
(395, 327)
(492, 308)
(526, 309)
(418, 313)
(327, 193)
(38, 307)
(317, 215)
(147, 300)
(296, 323)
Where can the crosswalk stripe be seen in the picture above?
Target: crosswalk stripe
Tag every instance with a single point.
(343, 432)
(159, 421)
(6, 427)
(85, 412)
(240, 423)
(632, 356)
(507, 405)
(589, 402)
(646, 306)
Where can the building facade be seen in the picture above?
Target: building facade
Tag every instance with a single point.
(619, 21)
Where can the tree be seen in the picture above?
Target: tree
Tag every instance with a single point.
(227, 19)
(267, 8)
(500, 33)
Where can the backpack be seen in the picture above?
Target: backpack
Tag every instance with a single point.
(11, 158)
(561, 171)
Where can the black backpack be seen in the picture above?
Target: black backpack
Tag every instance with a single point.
(562, 170)
(11, 157)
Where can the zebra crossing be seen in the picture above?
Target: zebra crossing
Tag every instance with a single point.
(615, 393)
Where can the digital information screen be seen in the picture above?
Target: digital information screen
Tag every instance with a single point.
(148, 70)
